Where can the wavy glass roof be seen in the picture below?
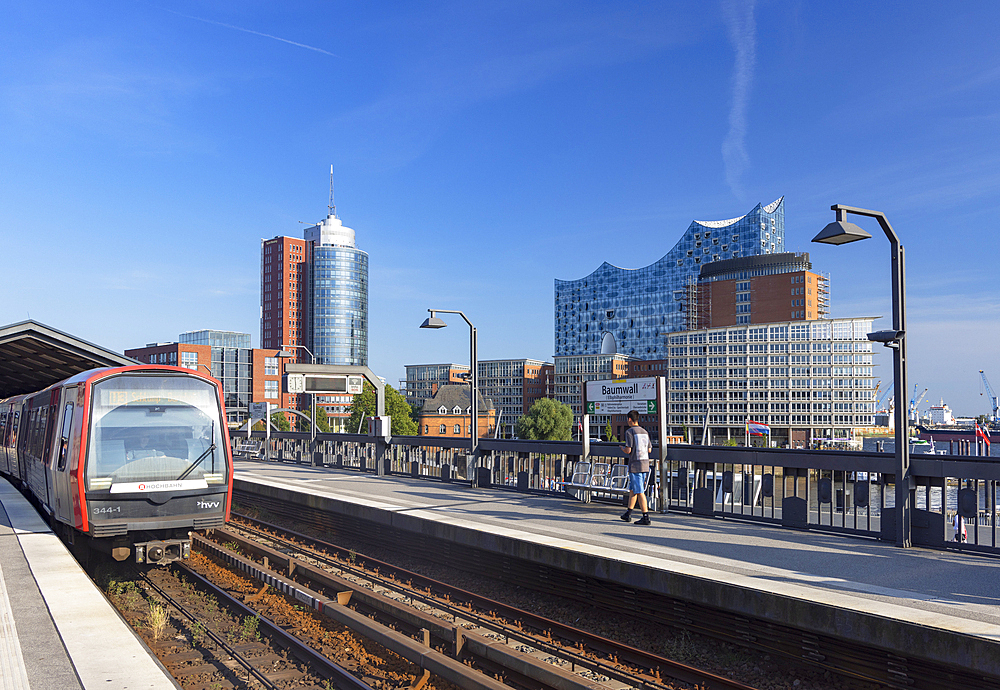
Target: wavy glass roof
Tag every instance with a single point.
(635, 305)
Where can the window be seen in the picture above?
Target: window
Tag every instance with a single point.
(189, 360)
(457, 410)
(442, 410)
(270, 366)
(271, 390)
(443, 430)
(458, 429)
(426, 429)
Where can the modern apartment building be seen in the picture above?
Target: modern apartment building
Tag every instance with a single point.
(617, 310)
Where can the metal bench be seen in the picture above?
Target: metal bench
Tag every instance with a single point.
(599, 477)
(249, 448)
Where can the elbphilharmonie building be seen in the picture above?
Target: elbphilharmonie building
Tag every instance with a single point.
(628, 311)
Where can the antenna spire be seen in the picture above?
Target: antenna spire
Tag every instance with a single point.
(332, 207)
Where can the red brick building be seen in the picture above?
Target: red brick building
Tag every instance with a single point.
(284, 295)
(757, 289)
(449, 412)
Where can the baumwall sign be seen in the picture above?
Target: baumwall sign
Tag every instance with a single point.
(619, 396)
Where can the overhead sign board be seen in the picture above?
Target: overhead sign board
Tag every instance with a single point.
(324, 383)
(619, 396)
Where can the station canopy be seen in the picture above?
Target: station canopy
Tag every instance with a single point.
(34, 356)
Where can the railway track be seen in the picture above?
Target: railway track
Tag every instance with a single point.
(266, 657)
(847, 664)
(527, 649)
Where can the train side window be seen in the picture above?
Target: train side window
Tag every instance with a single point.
(64, 441)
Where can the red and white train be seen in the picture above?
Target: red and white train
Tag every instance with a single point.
(130, 459)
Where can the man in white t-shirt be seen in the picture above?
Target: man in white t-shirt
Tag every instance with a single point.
(637, 447)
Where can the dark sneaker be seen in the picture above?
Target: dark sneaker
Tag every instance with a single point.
(627, 516)
(644, 520)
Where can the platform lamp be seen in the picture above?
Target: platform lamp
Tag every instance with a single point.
(434, 322)
(841, 232)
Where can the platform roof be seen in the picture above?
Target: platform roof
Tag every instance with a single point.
(33, 356)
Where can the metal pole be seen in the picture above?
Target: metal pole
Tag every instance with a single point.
(903, 493)
(903, 479)
(474, 430)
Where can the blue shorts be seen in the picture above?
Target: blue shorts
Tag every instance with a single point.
(637, 482)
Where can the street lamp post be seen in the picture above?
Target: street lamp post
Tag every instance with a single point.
(842, 232)
(312, 424)
(434, 322)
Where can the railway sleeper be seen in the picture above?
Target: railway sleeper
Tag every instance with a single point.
(498, 655)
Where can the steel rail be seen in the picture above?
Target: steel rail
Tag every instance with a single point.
(217, 639)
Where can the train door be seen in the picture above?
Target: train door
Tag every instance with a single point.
(14, 423)
(63, 448)
(4, 412)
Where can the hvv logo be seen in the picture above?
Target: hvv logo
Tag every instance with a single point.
(208, 504)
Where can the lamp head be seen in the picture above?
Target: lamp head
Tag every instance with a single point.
(285, 353)
(888, 338)
(433, 321)
(840, 231)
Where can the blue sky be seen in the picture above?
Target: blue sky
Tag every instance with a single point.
(484, 149)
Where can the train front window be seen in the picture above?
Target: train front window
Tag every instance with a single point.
(155, 433)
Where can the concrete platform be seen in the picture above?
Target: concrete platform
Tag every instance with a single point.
(938, 604)
(57, 631)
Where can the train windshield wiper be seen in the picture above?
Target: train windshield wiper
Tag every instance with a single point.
(197, 462)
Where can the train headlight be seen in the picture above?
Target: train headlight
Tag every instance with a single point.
(140, 554)
(214, 479)
(154, 554)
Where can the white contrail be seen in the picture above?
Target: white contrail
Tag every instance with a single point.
(249, 31)
(743, 35)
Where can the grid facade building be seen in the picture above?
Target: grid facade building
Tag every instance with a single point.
(626, 310)
(513, 385)
(571, 372)
(807, 381)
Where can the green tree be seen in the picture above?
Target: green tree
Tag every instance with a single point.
(608, 435)
(322, 420)
(396, 407)
(278, 419)
(547, 420)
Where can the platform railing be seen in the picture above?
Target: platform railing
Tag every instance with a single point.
(835, 491)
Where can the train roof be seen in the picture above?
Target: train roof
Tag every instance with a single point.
(34, 356)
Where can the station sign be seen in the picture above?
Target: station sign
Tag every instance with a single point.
(259, 411)
(619, 396)
(324, 383)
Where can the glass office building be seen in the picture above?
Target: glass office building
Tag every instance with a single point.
(627, 311)
(231, 364)
(338, 294)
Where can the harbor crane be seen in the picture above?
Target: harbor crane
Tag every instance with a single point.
(914, 401)
(993, 397)
(884, 401)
